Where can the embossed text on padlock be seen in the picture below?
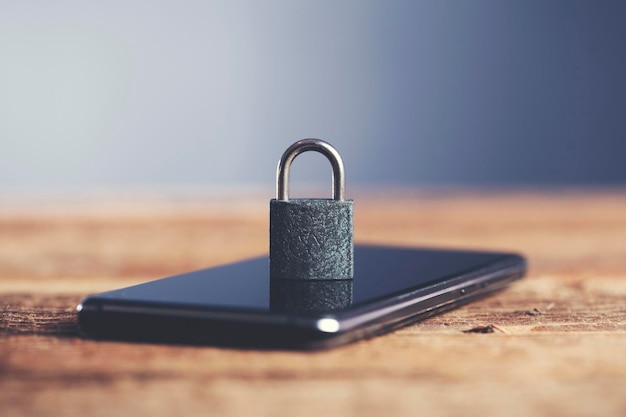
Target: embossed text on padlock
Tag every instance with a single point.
(311, 238)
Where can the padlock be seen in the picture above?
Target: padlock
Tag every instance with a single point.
(311, 238)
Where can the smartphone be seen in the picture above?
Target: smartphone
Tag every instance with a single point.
(239, 305)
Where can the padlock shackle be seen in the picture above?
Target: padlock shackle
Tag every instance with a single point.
(326, 149)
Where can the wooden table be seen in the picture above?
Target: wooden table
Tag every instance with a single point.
(558, 345)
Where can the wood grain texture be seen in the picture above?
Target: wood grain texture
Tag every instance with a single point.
(553, 344)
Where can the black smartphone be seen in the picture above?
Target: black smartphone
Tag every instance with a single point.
(239, 305)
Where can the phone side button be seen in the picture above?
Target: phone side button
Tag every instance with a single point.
(469, 289)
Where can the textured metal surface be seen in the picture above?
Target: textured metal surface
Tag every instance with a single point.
(311, 239)
(310, 297)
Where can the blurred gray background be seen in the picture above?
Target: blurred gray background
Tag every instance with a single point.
(166, 93)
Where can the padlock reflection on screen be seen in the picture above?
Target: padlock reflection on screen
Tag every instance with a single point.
(309, 297)
(311, 239)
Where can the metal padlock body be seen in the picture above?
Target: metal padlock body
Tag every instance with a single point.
(311, 239)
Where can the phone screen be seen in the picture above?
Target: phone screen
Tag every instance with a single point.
(379, 273)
